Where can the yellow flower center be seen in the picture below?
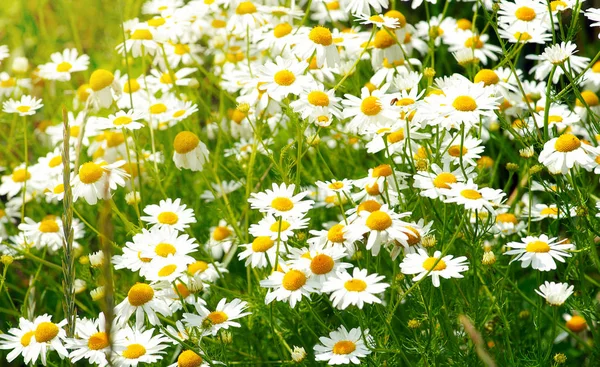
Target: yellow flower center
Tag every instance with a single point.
(158, 108)
(430, 261)
(26, 338)
(134, 351)
(524, 36)
(549, 211)
(397, 15)
(318, 98)
(344, 347)
(383, 170)
(321, 264)
(590, 98)
(455, 151)
(262, 244)
(464, 104)
(567, 143)
(335, 234)
(63, 67)
(368, 205)
(443, 180)
(463, 24)
(101, 79)
(405, 102)
(334, 5)
(576, 323)
(20, 175)
(245, 7)
(284, 77)
(554, 5)
(471, 194)
(197, 267)
(396, 136)
(122, 120)
(554, 119)
(10, 82)
(525, 14)
(506, 218)
(167, 78)
(185, 142)
(141, 34)
(167, 270)
(165, 249)
(189, 358)
(217, 317)
(355, 285)
(181, 49)
(55, 161)
(156, 22)
(321, 36)
(140, 294)
(59, 189)
(182, 290)
(383, 39)
(282, 204)
(90, 172)
(48, 226)
(293, 280)
(23, 109)
(596, 67)
(474, 42)
(537, 246)
(220, 233)
(45, 332)
(336, 185)
(370, 106)
(98, 341)
(282, 223)
(282, 30)
(487, 76)
(379, 221)
(131, 86)
(168, 218)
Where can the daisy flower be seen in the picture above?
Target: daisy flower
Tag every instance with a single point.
(356, 289)
(436, 184)
(142, 299)
(563, 153)
(91, 342)
(543, 211)
(63, 64)
(221, 318)
(166, 269)
(318, 105)
(26, 106)
(165, 80)
(142, 41)
(372, 109)
(555, 293)
(281, 202)
(343, 346)
(559, 116)
(246, 16)
(467, 150)
(422, 264)
(189, 358)
(335, 236)
(13, 183)
(394, 138)
(169, 213)
(288, 285)
(190, 151)
(557, 55)
(592, 14)
(380, 226)
(48, 232)
(19, 339)
(320, 263)
(275, 228)
(318, 41)
(96, 180)
(284, 77)
(221, 239)
(105, 88)
(507, 224)
(523, 14)
(125, 120)
(535, 33)
(474, 198)
(378, 20)
(47, 336)
(539, 252)
(260, 252)
(364, 6)
(136, 345)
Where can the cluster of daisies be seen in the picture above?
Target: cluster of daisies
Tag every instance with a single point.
(277, 72)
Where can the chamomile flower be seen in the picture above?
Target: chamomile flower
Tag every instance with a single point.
(96, 180)
(13, 183)
(105, 88)
(47, 336)
(507, 224)
(539, 251)
(380, 227)
(436, 184)
(136, 345)
(275, 228)
(190, 152)
(169, 213)
(456, 150)
(142, 41)
(288, 285)
(247, 16)
(543, 211)
(165, 80)
(221, 318)
(281, 201)
(372, 109)
(92, 341)
(189, 358)
(321, 263)
(343, 346)
(356, 289)
(555, 293)
(19, 340)
(559, 116)
(557, 55)
(63, 64)
(565, 152)
(260, 252)
(473, 197)
(319, 42)
(318, 106)
(26, 106)
(142, 299)
(124, 120)
(335, 236)
(435, 266)
(594, 16)
(378, 20)
(284, 77)
(524, 14)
